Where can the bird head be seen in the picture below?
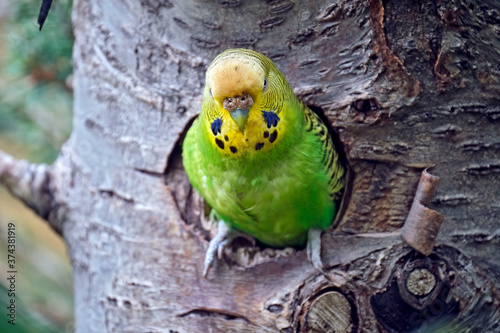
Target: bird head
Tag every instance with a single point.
(239, 82)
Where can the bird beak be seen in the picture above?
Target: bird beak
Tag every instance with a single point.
(240, 116)
(238, 107)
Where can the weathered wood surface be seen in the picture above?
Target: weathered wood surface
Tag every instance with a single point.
(406, 84)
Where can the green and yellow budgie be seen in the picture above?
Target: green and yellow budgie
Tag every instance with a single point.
(261, 159)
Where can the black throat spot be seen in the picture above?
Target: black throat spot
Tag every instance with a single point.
(273, 136)
(219, 143)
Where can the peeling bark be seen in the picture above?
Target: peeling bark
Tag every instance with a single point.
(406, 85)
(422, 224)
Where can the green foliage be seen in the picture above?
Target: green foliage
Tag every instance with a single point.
(35, 118)
(35, 102)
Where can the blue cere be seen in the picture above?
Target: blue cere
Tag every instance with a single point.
(271, 118)
(216, 126)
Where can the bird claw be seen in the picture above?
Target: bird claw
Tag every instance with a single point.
(225, 236)
(216, 246)
(222, 239)
(222, 245)
(314, 248)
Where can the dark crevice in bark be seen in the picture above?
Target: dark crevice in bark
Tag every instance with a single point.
(395, 71)
(111, 193)
(176, 154)
(214, 314)
(149, 173)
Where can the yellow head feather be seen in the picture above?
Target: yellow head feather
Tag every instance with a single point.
(234, 76)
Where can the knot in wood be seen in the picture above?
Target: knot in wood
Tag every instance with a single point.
(365, 105)
(330, 312)
(420, 282)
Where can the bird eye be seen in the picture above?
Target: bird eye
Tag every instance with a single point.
(210, 92)
(265, 85)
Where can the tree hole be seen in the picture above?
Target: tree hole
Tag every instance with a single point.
(195, 211)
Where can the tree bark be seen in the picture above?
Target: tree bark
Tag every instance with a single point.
(407, 85)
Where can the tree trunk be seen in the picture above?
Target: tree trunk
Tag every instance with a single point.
(407, 85)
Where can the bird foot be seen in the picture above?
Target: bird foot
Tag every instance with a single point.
(222, 239)
(314, 248)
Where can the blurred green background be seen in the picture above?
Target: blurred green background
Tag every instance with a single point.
(35, 120)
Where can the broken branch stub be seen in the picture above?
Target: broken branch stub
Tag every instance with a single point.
(330, 312)
(422, 224)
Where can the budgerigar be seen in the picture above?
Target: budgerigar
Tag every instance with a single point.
(262, 160)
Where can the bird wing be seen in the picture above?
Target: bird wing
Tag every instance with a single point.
(332, 163)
